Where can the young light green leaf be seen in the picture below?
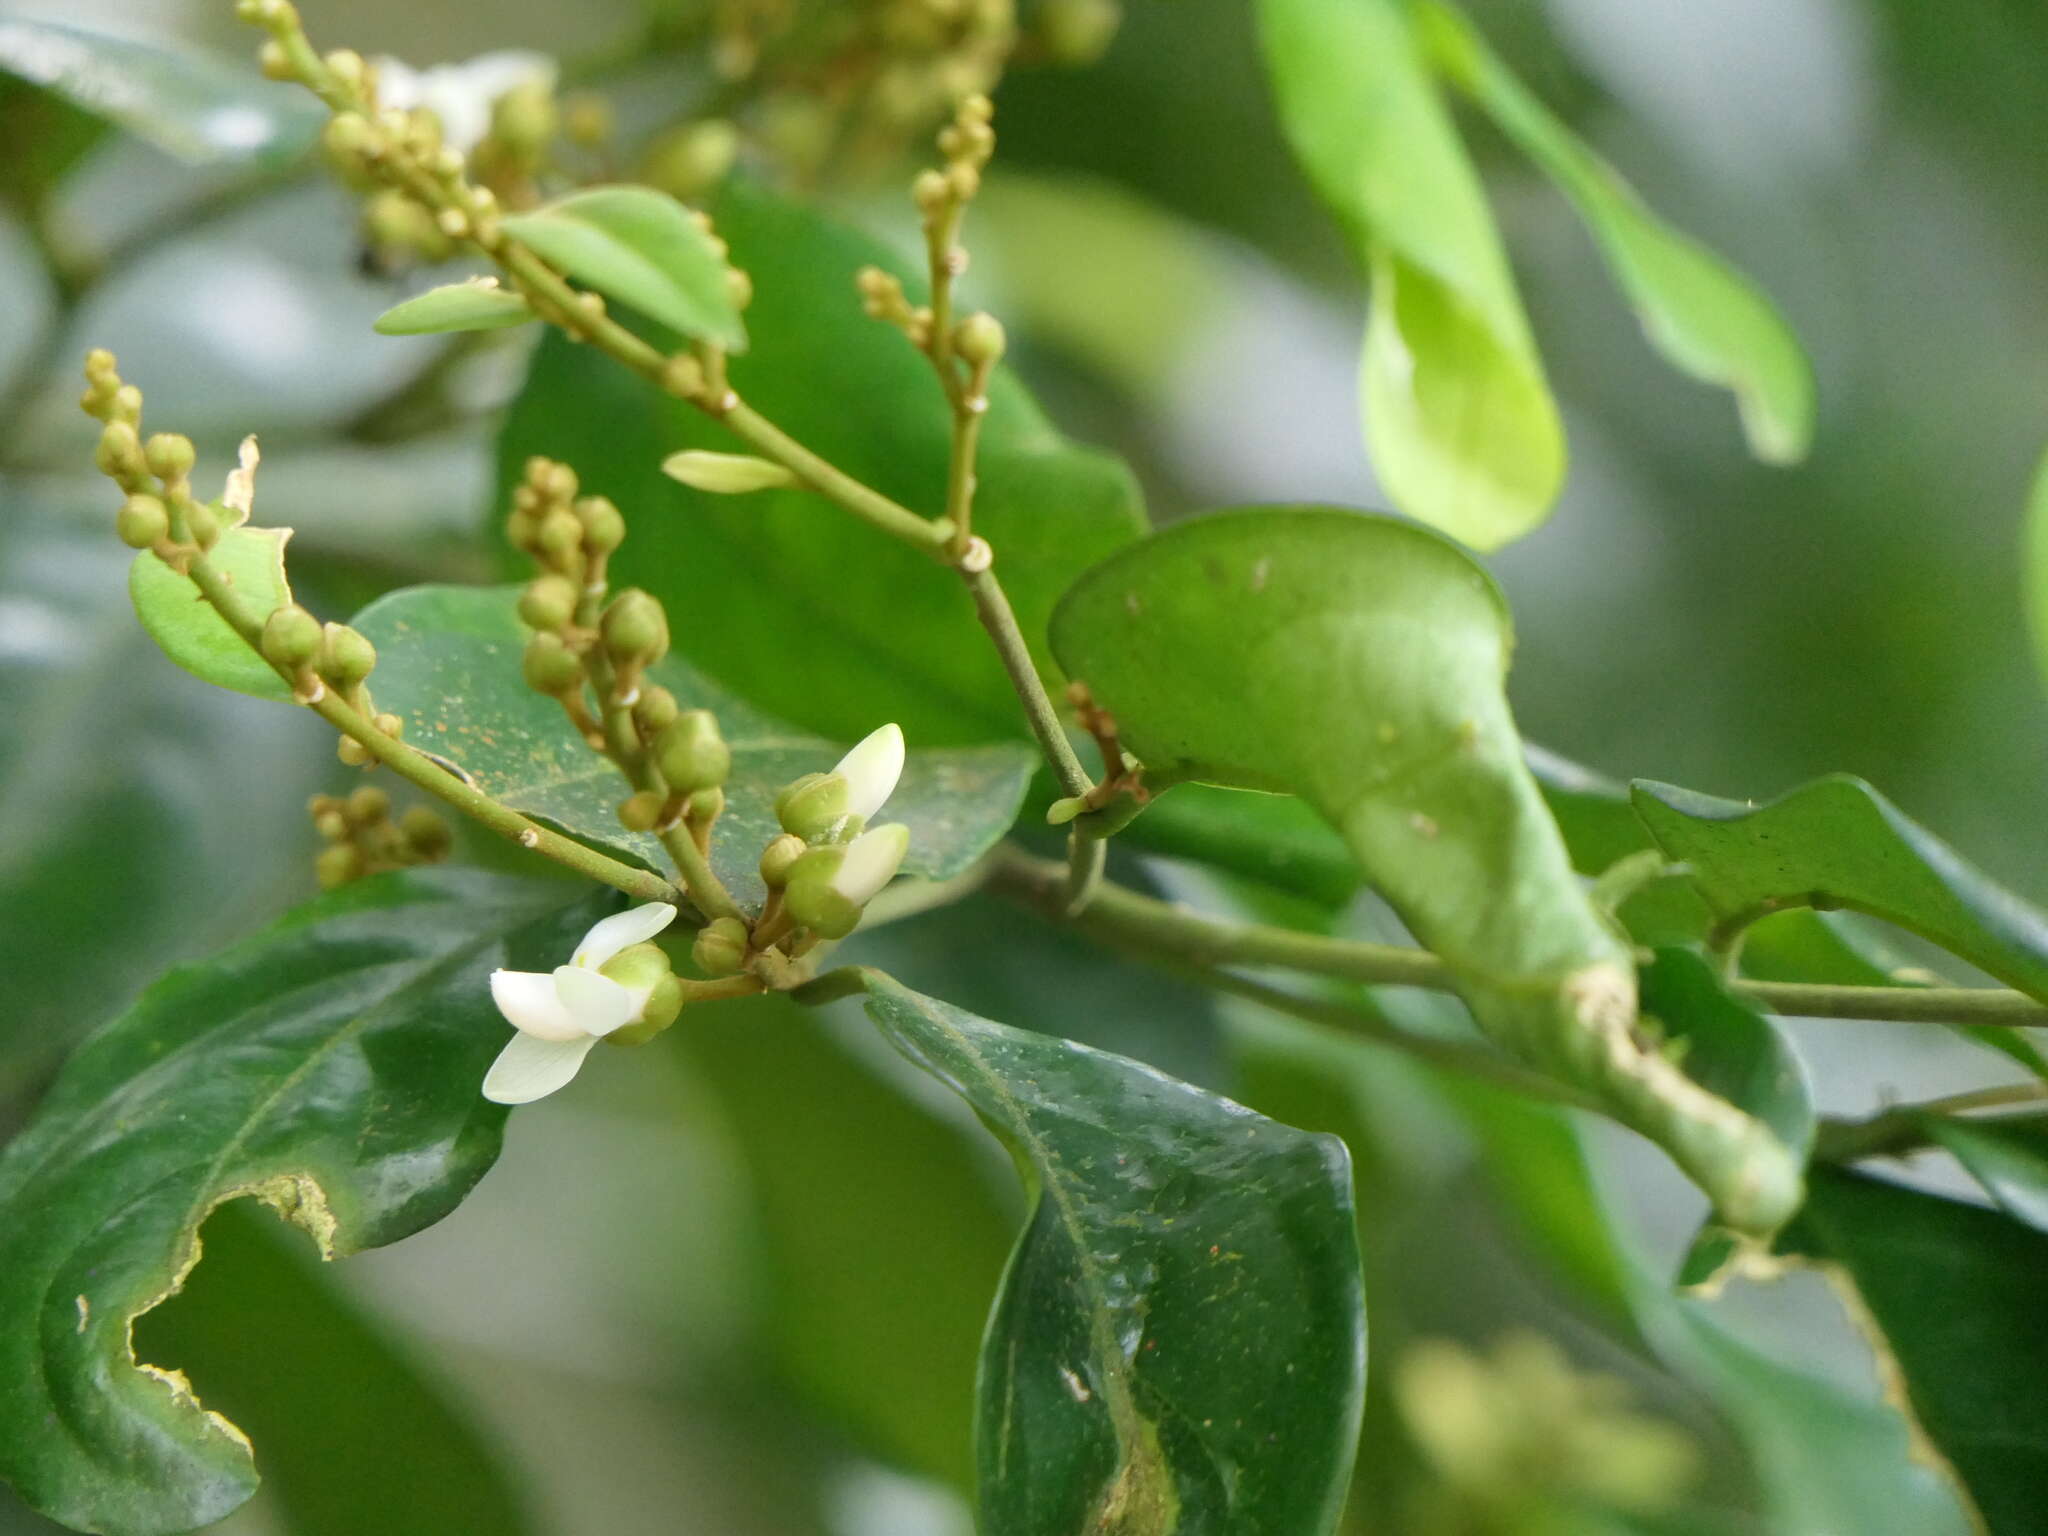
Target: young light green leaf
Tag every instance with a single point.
(449, 665)
(329, 1067)
(1462, 428)
(196, 637)
(727, 474)
(476, 305)
(1359, 662)
(192, 106)
(1956, 1292)
(1838, 842)
(644, 249)
(2008, 1157)
(1179, 1343)
(802, 610)
(1707, 319)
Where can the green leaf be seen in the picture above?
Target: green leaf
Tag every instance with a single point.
(2008, 1157)
(1463, 432)
(1707, 319)
(192, 106)
(329, 1067)
(354, 1436)
(643, 248)
(476, 305)
(1729, 1048)
(1838, 842)
(48, 138)
(196, 637)
(449, 665)
(1273, 839)
(781, 596)
(1956, 1292)
(2036, 573)
(1179, 1343)
(1360, 662)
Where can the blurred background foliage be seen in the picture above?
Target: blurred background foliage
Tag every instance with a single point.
(737, 1290)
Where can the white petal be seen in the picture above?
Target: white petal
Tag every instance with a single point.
(622, 930)
(533, 1006)
(529, 1069)
(871, 770)
(598, 1004)
(871, 862)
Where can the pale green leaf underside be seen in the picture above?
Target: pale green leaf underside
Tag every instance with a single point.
(1179, 1343)
(1461, 425)
(1360, 661)
(642, 248)
(472, 306)
(450, 667)
(196, 637)
(329, 1066)
(1708, 320)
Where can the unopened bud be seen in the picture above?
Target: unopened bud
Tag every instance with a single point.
(728, 474)
(367, 806)
(142, 522)
(425, 833)
(705, 806)
(551, 667)
(202, 524)
(604, 527)
(979, 340)
(275, 63)
(119, 454)
(721, 947)
(169, 455)
(930, 191)
(331, 825)
(691, 160)
(338, 864)
(524, 120)
(640, 812)
(128, 405)
(813, 806)
(587, 119)
(656, 709)
(349, 656)
(635, 628)
(829, 887)
(390, 725)
(549, 603)
(353, 752)
(779, 858)
(291, 638)
(691, 753)
(560, 539)
(739, 287)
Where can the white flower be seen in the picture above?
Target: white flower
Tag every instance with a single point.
(560, 1015)
(460, 95)
(871, 862)
(871, 770)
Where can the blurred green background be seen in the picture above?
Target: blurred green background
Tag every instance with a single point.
(642, 1350)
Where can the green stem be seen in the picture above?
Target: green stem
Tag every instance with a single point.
(1902, 1128)
(992, 606)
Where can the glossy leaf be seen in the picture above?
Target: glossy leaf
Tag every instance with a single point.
(193, 106)
(329, 1067)
(197, 638)
(1273, 839)
(1179, 1343)
(476, 305)
(781, 596)
(1956, 1292)
(2008, 1157)
(1707, 319)
(1360, 662)
(1838, 842)
(1462, 428)
(642, 248)
(449, 665)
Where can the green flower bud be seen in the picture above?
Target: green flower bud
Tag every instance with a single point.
(291, 638)
(119, 455)
(813, 806)
(1077, 32)
(656, 709)
(524, 120)
(551, 667)
(813, 902)
(556, 481)
(739, 287)
(779, 858)
(979, 340)
(829, 887)
(663, 1004)
(350, 657)
(549, 603)
(390, 725)
(635, 628)
(587, 119)
(367, 806)
(930, 191)
(353, 752)
(640, 812)
(691, 753)
(705, 805)
(689, 161)
(332, 825)
(721, 947)
(604, 528)
(425, 833)
(559, 539)
(202, 523)
(142, 522)
(128, 405)
(338, 864)
(169, 455)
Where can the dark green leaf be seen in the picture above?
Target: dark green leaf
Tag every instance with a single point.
(1360, 662)
(48, 138)
(1956, 1292)
(1838, 842)
(784, 598)
(195, 636)
(2008, 1157)
(1463, 431)
(329, 1066)
(1274, 839)
(449, 665)
(1707, 319)
(353, 1436)
(197, 108)
(1179, 1343)
(476, 305)
(643, 248)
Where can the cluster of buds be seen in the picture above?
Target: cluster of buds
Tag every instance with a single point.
(829, 862)
(317, 657)
(362, 839)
